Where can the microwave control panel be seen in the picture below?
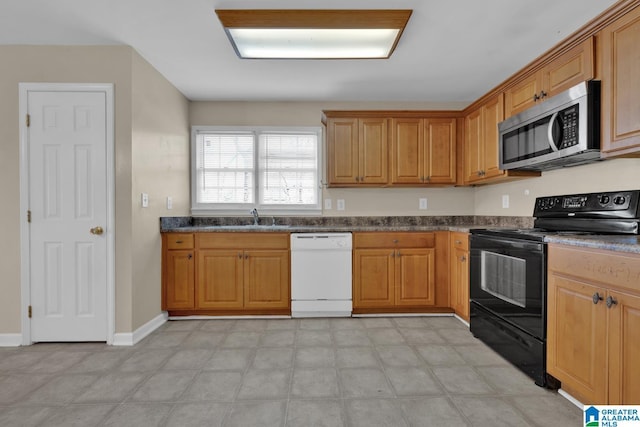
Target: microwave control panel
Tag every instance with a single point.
(569, 123)
(619, 204)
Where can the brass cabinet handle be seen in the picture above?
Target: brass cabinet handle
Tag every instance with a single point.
(179, 241)
(458, 242)
(189, 256)
(596, 297)
(239, 255)
(246, 256)
(395, 240)
(97, 230)
(463, 258)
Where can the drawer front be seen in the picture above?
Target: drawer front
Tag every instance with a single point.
(179, 241)
(242, 240)
(612, 269)
(390, 240)
(460, 241)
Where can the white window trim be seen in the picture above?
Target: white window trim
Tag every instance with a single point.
(243, 209)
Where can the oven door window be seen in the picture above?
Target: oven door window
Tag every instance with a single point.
(504, 277)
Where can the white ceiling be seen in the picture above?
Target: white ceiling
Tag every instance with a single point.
(451, 50)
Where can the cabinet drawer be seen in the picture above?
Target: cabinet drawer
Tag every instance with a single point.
(612, 269)
(460, 241)
(179, 241)
(242, 240)
(390, 240)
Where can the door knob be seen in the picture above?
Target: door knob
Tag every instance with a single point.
(97, 230)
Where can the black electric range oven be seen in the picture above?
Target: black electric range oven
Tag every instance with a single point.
(508, 272)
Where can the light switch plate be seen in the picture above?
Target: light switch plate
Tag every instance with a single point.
(169, 202)
(505, 201)
(422, 203)
(340, 204)
(327, 204)
(145, 200)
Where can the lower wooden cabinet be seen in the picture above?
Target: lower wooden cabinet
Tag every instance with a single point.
(394, 271)
(459, 274)
(593, 330)
(228, 273)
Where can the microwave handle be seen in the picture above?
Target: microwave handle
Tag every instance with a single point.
(552, 143)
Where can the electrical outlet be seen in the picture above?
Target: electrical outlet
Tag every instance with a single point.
(505, 201)
(340, 204)
(169, 202)
(145, 200)
(327, 204)
(422, 204)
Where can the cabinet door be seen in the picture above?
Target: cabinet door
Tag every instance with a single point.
(492, 114)
(266, 279)
(440, 151)
(179, 280)
(407, 151)
(374, 148)
(621, 86)
(572, 67)
(473, 149)
(342, 149)
(460, 282)
(414, 277)
(220, 279)
(624, 347)
(576, 338)
(523, 95)
(373, 278)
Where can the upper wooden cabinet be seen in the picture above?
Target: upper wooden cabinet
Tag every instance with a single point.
(357, 151)
(423, 151)
(568, 69)
(620, 66)
(481, 157)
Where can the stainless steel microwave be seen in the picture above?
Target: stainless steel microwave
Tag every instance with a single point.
(562, 131)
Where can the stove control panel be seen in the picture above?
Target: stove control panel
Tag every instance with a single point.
(611, 204)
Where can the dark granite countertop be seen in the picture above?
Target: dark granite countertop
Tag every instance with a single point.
(337, 224)
(617, 243)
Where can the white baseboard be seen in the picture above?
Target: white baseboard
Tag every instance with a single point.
(132, 338)
(570, 398)
(10, 340)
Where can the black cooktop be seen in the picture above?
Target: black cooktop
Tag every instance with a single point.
(612, 212)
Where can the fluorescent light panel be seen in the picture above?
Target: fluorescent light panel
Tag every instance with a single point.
(314, 34)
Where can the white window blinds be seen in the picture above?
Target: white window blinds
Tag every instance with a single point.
(288, 167)
(268, 168)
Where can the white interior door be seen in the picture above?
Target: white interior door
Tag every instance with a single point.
(68, 203)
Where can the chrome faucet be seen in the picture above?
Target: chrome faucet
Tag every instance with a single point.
(256, 217)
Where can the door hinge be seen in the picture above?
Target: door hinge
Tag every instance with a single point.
(30, 313)
(28, 120)
(29, 216)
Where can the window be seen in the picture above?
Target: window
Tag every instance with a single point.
(272, 169)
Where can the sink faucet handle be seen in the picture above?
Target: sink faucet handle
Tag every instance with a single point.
(256, 217)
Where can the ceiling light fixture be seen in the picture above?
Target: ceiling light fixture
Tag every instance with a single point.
(314, 34)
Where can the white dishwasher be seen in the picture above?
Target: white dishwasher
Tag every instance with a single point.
(321, 274)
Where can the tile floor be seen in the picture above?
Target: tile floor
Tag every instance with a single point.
(396, 371)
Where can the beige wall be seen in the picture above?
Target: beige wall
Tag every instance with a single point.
(160, 168)
(149, 111)
(62, 64)
(358, 202)
(608, 175)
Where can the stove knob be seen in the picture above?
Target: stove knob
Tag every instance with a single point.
(619, 200)
(604, 199)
